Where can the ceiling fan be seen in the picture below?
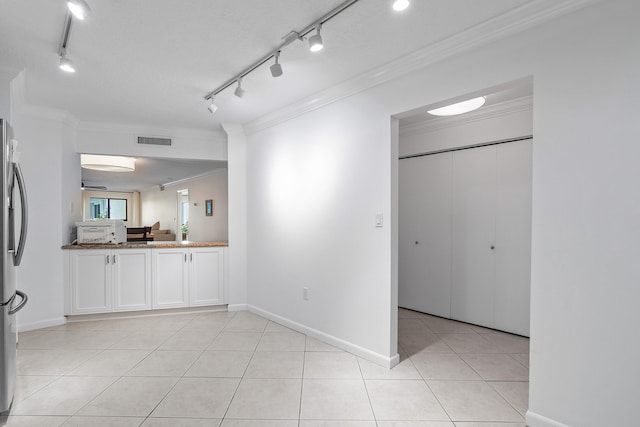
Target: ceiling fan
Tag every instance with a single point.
(92, 187)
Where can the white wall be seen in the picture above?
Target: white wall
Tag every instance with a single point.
(316, 181)
(162, 206)
(41, 272)
(237, 260)
(314, 187)
(157, 205)
(209, 228)
(114, 139)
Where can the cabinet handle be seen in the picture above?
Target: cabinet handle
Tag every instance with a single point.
(185, 257)
(191, 257)
(114, 259)
(492, 247)
(107, 259)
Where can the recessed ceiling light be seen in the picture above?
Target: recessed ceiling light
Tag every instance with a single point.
(79, 8)
(459, 107)
(399, 5)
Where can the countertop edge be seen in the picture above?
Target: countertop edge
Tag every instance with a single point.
(147, 246)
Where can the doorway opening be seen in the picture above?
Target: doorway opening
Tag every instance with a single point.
(464, 241)
(183, 214)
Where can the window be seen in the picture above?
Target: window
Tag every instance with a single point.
(100, 207)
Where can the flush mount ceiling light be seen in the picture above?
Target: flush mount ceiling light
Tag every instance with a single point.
(239, 92)
(399, 5)
(276, 69)
(315, 41)
(212, 107)
(67, 65)
(79, 8)
(107, 163)
(459, 107)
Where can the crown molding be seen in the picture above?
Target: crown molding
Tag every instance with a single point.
(500, 27)
(431, 124)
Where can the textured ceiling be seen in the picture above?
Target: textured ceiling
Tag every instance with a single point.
(150, 62)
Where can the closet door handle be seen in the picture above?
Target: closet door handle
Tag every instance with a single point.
(493, 247)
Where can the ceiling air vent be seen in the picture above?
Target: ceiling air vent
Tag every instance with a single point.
(154, 141)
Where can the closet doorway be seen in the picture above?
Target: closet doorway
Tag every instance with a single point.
(464, 239)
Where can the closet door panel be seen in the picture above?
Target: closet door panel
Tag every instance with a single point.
(424, 264)
(513, 237)
(473, 235)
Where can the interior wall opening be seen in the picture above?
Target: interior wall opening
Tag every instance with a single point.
(464, 239)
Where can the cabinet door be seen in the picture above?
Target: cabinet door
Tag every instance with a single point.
(90, 281)
(206, 276)
(424, 244)
(170, 272)
(513, 237)
(473, 235)
(132, 279)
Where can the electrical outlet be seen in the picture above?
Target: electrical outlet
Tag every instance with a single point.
(305, 294)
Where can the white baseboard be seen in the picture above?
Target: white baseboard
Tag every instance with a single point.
(237, 307)
(24, 327)
(537, 420)
(379, 359)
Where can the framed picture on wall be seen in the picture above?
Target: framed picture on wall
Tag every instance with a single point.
(208, 207)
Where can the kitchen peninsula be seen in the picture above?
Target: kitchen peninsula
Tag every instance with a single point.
(109, 278)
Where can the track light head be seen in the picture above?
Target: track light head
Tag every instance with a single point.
(239, 92)
(79, 8)
(67, 65)
(399, 5)
(315, 41)
(276, 69)
(212, 107)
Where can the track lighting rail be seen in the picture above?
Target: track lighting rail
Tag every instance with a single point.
(287, 40)
(66, 32)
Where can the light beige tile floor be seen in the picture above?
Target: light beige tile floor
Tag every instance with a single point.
(241, 370)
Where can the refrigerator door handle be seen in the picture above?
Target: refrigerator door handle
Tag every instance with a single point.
(18, 307)
(24, 224)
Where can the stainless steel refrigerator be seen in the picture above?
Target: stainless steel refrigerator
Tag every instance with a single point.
(13, 217)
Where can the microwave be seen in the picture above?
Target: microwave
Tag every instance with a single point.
(103, 231)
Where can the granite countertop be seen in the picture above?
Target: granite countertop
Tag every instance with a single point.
(150, 245)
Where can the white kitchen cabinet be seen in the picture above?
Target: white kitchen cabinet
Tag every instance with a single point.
(103, 281)
(90, 281)
(472, 222)
(188, 277)
(170, 278)
(206, 276)
(131, 279)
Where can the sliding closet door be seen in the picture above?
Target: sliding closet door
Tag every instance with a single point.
(513, 237)
(424, 252)
(473, 235)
